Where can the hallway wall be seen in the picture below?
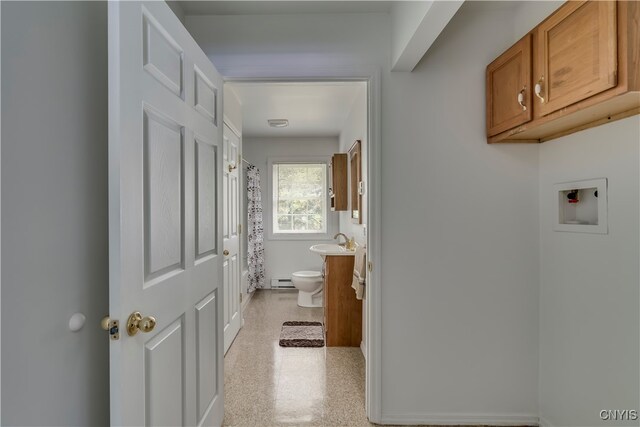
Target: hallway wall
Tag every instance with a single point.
(54, 213)
(589, 283)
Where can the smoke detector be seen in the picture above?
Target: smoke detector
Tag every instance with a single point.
(278, 123)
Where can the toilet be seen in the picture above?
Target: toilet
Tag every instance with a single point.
(309, 285)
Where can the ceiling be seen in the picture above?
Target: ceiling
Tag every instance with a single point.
(282, 7)
(313, 109)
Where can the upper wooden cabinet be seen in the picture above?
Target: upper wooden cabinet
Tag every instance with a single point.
(585, 59)
(576, 54)
(338, 191)
(508, 77)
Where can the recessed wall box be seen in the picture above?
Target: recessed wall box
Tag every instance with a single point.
(582, 206)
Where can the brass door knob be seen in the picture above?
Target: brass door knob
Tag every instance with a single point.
(105, 323)
(137, 323)
(225, 252)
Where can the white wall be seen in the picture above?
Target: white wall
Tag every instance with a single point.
(235, 42)
(460, 231)
(54, 213)
(589, 317)
(459, 217)
(232, 108)
(283, 257)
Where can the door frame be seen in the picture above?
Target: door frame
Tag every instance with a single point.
(226, 120)
(370, 75)
(238, 162)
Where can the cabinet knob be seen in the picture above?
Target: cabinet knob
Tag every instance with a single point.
(538, 89)
(521, 98)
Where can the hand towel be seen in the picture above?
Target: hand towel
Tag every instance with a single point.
(359, 271)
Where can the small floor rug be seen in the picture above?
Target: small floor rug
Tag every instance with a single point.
(302, 334)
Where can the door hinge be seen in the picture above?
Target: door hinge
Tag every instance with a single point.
(370, 266)
(239, 228)
(240, 296)
(112, 326)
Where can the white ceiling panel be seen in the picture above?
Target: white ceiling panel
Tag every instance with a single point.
(313, 109)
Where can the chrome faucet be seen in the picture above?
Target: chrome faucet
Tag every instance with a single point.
(346, 239)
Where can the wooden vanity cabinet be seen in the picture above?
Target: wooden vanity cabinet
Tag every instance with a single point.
(338, 192)
(585, 72)
(342, 311)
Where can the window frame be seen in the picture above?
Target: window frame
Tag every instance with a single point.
(270, 208)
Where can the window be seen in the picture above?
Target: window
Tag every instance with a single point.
(299, 198)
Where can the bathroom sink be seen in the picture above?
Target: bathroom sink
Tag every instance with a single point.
(332, 249)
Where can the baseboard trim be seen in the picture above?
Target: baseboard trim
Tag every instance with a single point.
(363, 349)
(245, 302)
(544, 422)
(460, 419)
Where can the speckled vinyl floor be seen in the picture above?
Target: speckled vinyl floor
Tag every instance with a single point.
(269, 385)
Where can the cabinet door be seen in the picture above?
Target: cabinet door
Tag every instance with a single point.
(509, 88)
(339, 196)
(576, 51)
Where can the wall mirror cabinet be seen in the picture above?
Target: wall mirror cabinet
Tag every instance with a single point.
(338, 182)
(355, 182)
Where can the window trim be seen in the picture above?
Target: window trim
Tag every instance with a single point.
(331, 223)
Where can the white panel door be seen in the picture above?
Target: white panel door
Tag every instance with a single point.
(165, 239)
(231, 239)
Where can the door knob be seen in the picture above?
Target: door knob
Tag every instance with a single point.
(225, 252)
(137, 323)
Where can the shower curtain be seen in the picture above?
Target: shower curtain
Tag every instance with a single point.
(255, 232)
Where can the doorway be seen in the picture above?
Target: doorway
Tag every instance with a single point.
(257, 343)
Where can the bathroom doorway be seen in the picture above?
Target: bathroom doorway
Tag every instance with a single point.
(324, 117)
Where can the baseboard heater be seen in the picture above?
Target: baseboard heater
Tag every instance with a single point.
(282, 283)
